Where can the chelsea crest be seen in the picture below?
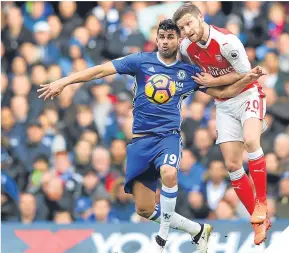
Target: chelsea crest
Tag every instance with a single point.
(182, 75)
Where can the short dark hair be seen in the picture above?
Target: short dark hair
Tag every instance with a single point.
(185, 9)
(168, 24)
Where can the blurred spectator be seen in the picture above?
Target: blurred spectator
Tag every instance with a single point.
(208, 102)
(282, 46)
(102, 211)
(198, 207)
(36, 11)
(277, 21)
(101, 164)
(84, 120)
(56, 36)
(122, 203)
(56, 196)
(69, 18)
(4, 60)
(9, 197)
(108, 15)
(150, 45)
(215, 15)
(118, 153)
(40, 167)
(21, 85)
(238, 207)
(191, 121)
(6, 93)
(54, 73)
(19, 66)
(96, 44)
(92, 187)
(47, 49)
(274, 78)
(114, 128)
(255, 24)
(215, 184)
(49, 119)
(27, 151)
(205, 149)
(30, 53)
(15, 33)
(271, 205)
(234, 25)
(212, 129)
(20, 109)
(127, 39)
(273, 173)
(91, 137)
(12, 133)
(224, 211)
(81, 33)
(283, 201)
(281, 148)
(101, 105)
(191, 172)
(66, 107)
(82, 156)
(75, 51)
(83, 209)
(27, 207)
(62, 218)
(64, 170)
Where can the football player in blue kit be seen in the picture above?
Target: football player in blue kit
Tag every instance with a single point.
(155, 150)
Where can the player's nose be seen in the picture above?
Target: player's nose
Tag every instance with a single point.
(187, 30)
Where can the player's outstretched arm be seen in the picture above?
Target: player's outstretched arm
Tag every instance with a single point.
(53, 89)
(234, 89)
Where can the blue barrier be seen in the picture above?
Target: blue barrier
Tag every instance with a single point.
(228, 237)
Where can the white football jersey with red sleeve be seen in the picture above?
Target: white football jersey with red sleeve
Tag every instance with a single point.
(222, 54)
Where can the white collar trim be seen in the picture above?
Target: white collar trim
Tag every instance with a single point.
(167, 65)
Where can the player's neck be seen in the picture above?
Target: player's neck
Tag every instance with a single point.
(206, 33)
(167, 61)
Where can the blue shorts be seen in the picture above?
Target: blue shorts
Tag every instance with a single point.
(145, 156)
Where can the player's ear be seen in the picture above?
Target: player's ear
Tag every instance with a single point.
(201, 17)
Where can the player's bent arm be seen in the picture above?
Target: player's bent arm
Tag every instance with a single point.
(226, 79)
(89, 74)
(232, 90)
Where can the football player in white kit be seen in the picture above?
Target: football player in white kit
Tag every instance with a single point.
(239, 120)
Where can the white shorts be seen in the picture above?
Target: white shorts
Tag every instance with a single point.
(232, 113)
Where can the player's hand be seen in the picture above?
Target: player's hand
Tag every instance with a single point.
(51, 90)
(255, 73)
(204, 79)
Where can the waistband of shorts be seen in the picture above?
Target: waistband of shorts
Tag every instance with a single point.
(150, 134)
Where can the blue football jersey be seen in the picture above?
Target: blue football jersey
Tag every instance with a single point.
(150, 117)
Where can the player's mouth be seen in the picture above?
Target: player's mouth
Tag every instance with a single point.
(191, 35)
(165, 48)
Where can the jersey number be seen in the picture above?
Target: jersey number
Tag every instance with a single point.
(172, 158)
(255, 105)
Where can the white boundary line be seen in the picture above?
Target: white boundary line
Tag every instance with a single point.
(281, 244)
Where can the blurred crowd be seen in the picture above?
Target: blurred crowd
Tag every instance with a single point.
(64, 160)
